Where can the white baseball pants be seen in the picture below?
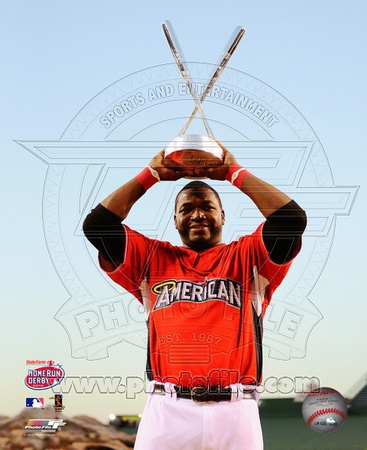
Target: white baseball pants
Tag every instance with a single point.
(171, 423)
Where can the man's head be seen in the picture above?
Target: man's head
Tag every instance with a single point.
(199, 216)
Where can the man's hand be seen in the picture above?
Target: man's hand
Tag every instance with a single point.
(220, 172)
(167, 173)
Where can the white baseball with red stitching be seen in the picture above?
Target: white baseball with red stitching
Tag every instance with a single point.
(324, 410)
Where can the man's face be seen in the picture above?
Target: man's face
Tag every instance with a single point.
(199, 218)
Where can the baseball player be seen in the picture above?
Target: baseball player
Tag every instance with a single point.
(204, 303)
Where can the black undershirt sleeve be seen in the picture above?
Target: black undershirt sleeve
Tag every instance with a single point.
(282, 232)
(103, 229)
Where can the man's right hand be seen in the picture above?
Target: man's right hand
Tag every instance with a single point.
(167, 173)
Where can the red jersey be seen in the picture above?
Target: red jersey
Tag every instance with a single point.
(204, 309)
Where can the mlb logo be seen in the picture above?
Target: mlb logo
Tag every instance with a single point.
(35, 402)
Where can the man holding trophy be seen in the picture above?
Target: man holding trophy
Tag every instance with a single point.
(204, 300)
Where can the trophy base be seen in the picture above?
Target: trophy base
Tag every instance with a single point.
(193, 151)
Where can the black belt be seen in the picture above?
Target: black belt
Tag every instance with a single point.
(202, 394)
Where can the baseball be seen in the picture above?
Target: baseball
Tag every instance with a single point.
(324, 410)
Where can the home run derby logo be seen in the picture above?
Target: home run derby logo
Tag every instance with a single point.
(45, 377)
(117, 133)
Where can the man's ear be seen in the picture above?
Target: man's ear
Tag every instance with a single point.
(175, 221)
(223, 217)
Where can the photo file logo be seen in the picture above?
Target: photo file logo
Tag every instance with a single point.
(43, 425)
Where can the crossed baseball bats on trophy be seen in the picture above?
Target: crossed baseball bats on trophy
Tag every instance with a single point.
(197, 150)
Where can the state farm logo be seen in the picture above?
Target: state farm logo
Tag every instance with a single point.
(44, 377)
(118, 132)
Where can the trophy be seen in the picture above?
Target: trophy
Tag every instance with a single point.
(196, 150)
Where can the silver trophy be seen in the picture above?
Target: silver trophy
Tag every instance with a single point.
(196, 150)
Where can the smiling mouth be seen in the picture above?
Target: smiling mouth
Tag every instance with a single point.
(198, 227)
